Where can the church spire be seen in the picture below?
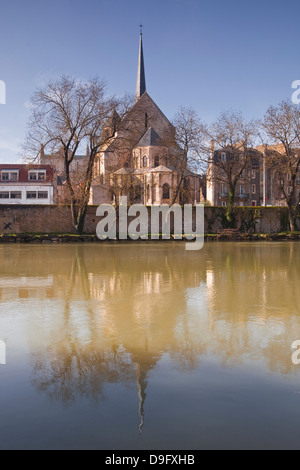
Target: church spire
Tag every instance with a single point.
(141, 80)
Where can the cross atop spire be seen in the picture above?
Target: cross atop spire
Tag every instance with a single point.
(141, 79)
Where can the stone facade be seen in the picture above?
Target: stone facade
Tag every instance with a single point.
(143, 163)
(257, 186)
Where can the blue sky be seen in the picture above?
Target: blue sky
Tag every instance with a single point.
(210, 55)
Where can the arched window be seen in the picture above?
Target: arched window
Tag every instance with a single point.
(166, 191)
(156, 161)
(145, 161)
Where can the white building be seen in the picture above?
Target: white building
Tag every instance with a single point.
(26, 184)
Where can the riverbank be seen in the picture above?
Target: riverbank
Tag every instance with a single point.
(86, 238)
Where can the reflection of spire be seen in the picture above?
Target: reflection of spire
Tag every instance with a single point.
(141, 385)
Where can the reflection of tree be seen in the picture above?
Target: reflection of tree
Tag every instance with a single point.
(123, 306)
(69, 370)
(127, 321)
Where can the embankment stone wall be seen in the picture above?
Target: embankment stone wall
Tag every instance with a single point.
(57, 219)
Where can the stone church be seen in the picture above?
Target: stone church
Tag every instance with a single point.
(142, 161)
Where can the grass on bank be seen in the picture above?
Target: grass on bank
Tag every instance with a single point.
(52, 237)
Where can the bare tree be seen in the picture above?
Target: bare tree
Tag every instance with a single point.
(282, 127)
(187, 143)
(230, 152)
(68, 114)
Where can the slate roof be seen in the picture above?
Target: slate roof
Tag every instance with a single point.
(150, 138)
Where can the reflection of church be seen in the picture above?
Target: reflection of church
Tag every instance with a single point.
(142, 161)
(125, 325)
(119, 310)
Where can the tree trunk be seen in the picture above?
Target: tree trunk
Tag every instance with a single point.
(292, 218)
(230, 206)
(81, 214)
(78, 210)
(177, 189)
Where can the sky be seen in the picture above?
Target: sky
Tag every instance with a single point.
(209, 55)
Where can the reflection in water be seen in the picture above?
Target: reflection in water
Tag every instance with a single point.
(103, 314)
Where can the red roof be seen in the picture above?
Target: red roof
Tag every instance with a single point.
(23, 173)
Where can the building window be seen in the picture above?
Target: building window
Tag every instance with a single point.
(223, 157)
(166, 191)
(4, 195)
(146, 121)
(145, 162)
(253, 174)
(241, 190)
(31, 195)
(43, 195)
(253, 188)
(35, 175)
(224, 189)
(289, 178)
(15, 195)
(253, 203)
(289, 190)
(224, 203)
(156, 161)
(148, 192)
(7, 175)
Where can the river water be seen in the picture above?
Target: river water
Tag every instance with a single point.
(149, 346)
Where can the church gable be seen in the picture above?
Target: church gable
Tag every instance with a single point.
(145, 114)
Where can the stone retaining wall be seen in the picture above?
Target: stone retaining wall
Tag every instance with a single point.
(57, 219)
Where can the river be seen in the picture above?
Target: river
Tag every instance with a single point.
(149, 346)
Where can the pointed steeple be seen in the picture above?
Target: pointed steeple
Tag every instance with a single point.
(141, 80)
